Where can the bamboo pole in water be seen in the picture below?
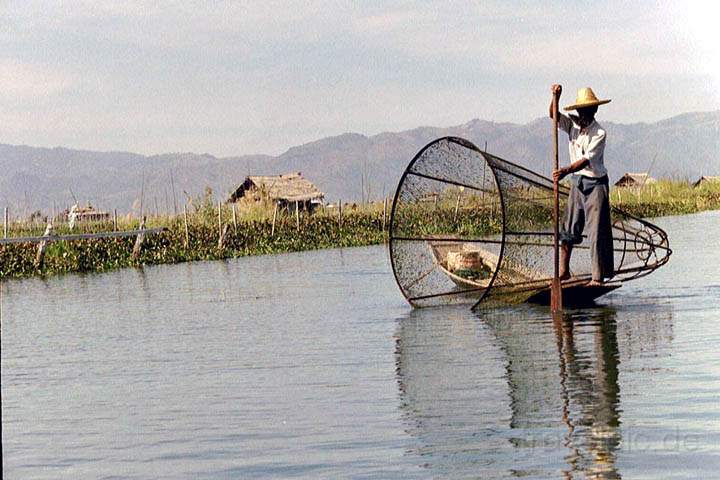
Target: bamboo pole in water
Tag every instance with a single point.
(187, 233)
(5, 228)
(172, 183)
(482, 193)
(220, 229)
(223, 234)
(234, 217)
(167, 204)
(385, 204)
(40, 256)
(457, 205)
(139, 241)
(275, 212)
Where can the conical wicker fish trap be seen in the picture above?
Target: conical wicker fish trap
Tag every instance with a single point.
(469, 227)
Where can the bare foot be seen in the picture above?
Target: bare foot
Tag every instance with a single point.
(596, 283)
(564, 276)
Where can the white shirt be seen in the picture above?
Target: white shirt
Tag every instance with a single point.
(588, 142)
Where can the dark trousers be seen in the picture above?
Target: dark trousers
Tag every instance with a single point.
(589, 206)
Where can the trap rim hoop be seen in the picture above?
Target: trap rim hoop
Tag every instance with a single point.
(408, 171)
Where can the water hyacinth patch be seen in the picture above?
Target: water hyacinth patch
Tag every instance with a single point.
(250, 231)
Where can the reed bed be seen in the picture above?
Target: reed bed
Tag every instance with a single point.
(666, 197)
(249, 231)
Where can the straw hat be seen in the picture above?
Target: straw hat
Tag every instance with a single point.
(585, 98)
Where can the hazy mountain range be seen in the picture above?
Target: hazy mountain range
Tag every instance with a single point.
(348, 167)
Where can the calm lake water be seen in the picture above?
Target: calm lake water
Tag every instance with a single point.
(311, 365)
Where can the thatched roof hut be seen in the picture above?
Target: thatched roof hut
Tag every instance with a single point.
(78, 214)
(284, 189)
(705, 179)
(634, 180)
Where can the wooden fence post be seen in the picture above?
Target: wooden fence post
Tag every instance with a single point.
(297, 214)
(340, 213)
(275, 212)
(139, 241)
(457, 205)
(482, 193)
(385, 202)
(220, 225)
(187, 232)
(234, 212)
(115, 219)
(40, 257)
(223, 234)
(7, 216)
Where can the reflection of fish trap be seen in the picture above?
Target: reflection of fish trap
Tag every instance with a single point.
(467, 226)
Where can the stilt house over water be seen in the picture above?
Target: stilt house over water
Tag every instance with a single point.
(290, 191)
(634, 180)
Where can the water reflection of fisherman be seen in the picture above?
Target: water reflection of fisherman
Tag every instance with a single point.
(559, 392)
(593, 392)
(585, 399)
(588, 204)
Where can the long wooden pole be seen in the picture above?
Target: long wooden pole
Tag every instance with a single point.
(556, 287)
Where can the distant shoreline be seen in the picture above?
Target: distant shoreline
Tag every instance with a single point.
(252, 233)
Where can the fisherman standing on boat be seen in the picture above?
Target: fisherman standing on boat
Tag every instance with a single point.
(588, 203)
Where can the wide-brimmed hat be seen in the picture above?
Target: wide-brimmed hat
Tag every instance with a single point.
(585, 98)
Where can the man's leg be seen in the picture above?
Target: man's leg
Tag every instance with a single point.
(571, 231)
(597, 209)
(565, 253)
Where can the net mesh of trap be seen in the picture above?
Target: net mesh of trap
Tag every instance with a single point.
(469, 227)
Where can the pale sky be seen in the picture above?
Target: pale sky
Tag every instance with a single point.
(241, 77)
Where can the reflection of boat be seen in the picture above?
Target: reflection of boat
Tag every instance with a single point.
(523, 283)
